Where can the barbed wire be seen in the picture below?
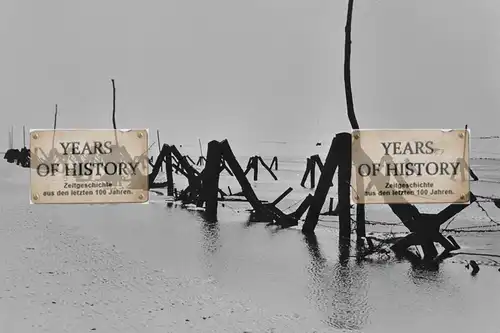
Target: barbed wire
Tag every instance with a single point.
(449, 222)
(493, 225)
(488, 181)
(230, 207)
(489, 137)
(294, 204)
(376, 222)
(486, 213)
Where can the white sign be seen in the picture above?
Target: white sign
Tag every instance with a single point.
(410, 166)
(89, 166)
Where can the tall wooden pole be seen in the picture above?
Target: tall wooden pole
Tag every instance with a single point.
(360, 209)
(344, 188)
(114, 110)
(159, 146)
(55, 119)
(24, 136)
(211, 178)
(55, 126)
(347, 68)
(325, 179)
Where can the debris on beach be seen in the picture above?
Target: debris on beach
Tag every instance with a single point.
(203, 192)
(19, 156)
(496, 202)
(474, 266)
(203, 186)
(311, 164)
(253, 164)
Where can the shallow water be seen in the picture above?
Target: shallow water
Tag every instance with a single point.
(282, 272)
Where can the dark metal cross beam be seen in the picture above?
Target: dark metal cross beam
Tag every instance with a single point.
(425, 229)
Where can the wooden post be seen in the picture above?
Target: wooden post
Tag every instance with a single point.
(282, 196)
(360, 222)
(454, 242)
(360, 208)
(186, 164)
(201, 161)
(344, 179)
(267, 168)
(317, 159)
(347, 67)
(157, 165)
(55, 126)
(249, 165)
(445, 242)
(159, 146)
(190, 159)
(425, 230)
(330, 207)
(255, 166)
(24, 136)
(321, 192)
(160, 159)
(306, 173)
(303, 207)
(246, 188)
(224, 167)
(274, 163)
(318, 162)
(428, 247)
(175, 165)
(168, 170)
(211, 178)
(313, 172)
(114, 110)
(191, 173)
(178, 169)
(473, 175)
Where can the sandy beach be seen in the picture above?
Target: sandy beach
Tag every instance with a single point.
(283, 81)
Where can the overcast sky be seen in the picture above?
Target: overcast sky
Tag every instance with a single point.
(249, 70)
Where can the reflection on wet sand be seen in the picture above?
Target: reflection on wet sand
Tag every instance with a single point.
(210, 242)
(422, 276)
(340, 290)
(210, 232)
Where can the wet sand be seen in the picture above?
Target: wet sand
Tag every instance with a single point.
(153, 268)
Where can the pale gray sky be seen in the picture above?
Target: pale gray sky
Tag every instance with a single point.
(249, 70)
